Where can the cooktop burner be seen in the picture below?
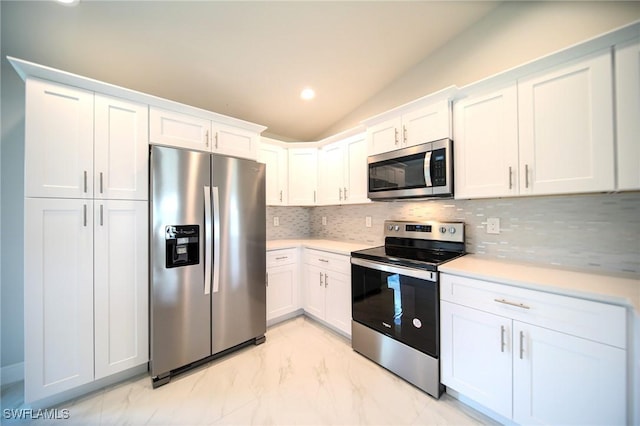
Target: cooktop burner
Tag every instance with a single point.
(423, 245)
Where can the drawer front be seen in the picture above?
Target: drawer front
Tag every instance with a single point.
(329, 261)
(600, 322)
(282, 257)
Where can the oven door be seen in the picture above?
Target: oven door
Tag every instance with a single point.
(402, 303)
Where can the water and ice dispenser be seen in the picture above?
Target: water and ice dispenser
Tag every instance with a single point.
(182, 245)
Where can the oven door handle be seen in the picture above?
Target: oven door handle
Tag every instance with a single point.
(393, 269)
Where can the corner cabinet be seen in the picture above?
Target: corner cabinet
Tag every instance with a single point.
(534, 357)
(546, 133)
(303, 176)
(86, 233)
(188, 131)
(327, 288)
(275, 157)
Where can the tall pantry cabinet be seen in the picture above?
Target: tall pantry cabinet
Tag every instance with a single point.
(86, 232)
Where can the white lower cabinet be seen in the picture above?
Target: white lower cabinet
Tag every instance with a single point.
(327, 288)
(282, 283)
(86, 292)
(531, 356)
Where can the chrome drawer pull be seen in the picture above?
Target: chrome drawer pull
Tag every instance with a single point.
(323, 260)
(282, 257)
(517, 305)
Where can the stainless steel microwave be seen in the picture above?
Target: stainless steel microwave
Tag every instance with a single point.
(420, 171)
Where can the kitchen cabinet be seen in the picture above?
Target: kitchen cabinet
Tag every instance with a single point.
(187, 131)
(550, 132)
(275, 157)
(327, 288)
(531, 356)
(342, 172)
(282, 283)
(61, 144)
(627, 68)
(303, 176)
(419, 122)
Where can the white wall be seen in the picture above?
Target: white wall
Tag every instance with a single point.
(513, 34)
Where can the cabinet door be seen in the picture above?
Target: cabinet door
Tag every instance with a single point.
(476, 355)
(282, 290)
(228, 140)
(180, 130)
(566, 129)
(121, 149)
(314, 291)
(355, 177)
(331, 174)
(275, 158)
(486, 144)
(338, 301)
(385, 136)
(121, 286)
(303, 176)
(58, 141)
(58, 302)
(426, 124)
(562, 379)
(627, 113)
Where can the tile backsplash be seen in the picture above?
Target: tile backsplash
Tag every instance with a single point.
(599, 231)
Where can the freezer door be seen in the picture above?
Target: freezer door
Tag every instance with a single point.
(180, 307)
(239, 270)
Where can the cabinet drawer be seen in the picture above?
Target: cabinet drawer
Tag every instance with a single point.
(282, 257)
(596, 321)
(326, 260)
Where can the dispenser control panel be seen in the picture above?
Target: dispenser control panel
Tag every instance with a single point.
(182, 245)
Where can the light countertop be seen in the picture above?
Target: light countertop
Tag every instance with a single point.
(619, 290)
(333, 246)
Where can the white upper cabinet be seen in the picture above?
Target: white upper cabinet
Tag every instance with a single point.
(547, 133)
(627, 66)
(179, 130)
(355, 175)
(121, 149)
(342, 171)
(331, 186)
(58, 141)
(566, 128)
(275, 157)
(84, 145)
(424, 120)
(190, 132)
(486, 144)
(303, 176)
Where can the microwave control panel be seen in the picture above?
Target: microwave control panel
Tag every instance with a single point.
(439, 167)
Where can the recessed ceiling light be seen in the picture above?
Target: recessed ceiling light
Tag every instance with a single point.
(69, 2)
(307, 93)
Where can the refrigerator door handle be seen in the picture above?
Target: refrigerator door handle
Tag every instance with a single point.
(207, 240)
(216, 239)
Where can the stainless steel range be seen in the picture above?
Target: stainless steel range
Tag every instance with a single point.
(395, 299)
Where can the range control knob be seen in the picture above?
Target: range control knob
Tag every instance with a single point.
(443, 229)
(452, 230)
(396, 228)
(390, 227)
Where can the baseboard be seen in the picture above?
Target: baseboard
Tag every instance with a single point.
(12, 373)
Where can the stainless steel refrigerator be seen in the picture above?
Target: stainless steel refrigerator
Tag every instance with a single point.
(208, 266)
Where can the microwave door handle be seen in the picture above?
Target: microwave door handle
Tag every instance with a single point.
(207, 240)
(427, 169)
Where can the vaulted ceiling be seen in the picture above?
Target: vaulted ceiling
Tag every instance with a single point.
(249, 60)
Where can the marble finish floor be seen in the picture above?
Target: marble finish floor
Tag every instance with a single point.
(303, 375)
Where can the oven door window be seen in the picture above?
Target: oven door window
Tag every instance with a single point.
(402, 307)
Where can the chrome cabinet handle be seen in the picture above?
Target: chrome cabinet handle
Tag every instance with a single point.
(267, 279)
(510, 178)
(314, 195)
(502, 338)
(396, 130)
(526, 176)
(323, 260)
(345, 193)
(340, 193)
(101, 215)
(404, 134)
(85, 181)
(281, 195)
(84, 213)
(321, 283)
(216, 140)
(326, 280)
(516, 304)
(282, 257)
(101, 191)
(521, 344)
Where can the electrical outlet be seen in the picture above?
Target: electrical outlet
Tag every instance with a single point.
(493, 225)
(367, 221)
(276, 221)
(324, 221)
